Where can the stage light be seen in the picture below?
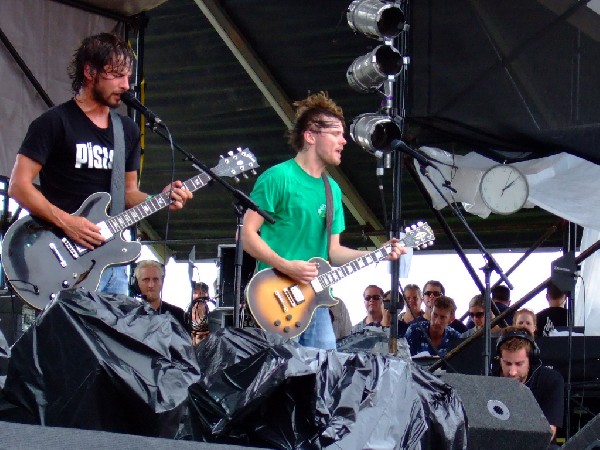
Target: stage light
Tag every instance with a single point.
(368, 72)
(376, 18)
(375, 132)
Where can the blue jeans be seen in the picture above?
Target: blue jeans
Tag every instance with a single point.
(114, 280)
(319, 333)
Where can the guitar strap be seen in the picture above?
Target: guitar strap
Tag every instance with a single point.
(329, 209)
(117, 177)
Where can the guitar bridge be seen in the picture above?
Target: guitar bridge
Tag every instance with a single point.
(71, 248)
(294, 295)
(280, 300)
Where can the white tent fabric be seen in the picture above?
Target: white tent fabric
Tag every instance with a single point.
(44, 33)
(562, 184)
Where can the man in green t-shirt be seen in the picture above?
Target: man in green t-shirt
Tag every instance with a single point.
(293, 193)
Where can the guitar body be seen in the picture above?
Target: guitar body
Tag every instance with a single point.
(280, 305)
(38, 264)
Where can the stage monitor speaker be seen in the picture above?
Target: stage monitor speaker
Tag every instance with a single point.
(501, 413)
(226, 254)
(587, 438)
(16, 316)
(20, 436)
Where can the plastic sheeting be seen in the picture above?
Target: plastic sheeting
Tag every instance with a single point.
(261, 390)
(103, 362)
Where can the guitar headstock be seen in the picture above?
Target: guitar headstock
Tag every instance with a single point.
(419, 236)
(237, 163)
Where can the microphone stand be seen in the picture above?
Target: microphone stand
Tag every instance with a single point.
(243, 202)
(490, 266)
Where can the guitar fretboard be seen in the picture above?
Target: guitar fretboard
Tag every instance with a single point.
(339, 273)
(118, 223)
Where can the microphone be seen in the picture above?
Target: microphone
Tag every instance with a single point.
(128, 97)
(400, 146)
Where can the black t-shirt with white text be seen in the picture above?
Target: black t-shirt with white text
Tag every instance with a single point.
(76, 155)
(550, 318)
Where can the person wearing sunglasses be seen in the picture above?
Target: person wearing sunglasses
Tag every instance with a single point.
(373, 298)
(477, 315)
(434, 289)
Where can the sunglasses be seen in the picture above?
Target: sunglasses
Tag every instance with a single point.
(479, 314)
(433, 293)
(373, 297)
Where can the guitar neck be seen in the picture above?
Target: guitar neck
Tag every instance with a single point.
(118, 223)
(331, 277)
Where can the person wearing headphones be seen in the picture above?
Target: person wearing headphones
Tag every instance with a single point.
(150, 276)
(519, 358)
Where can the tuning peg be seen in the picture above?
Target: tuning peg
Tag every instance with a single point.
(420, 224)
(245, 175)
(230, 153)
(236, 179)
(239, 149)
(413, 227)
(253, 172)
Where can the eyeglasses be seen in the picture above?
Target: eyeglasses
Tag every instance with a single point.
(433, 293)
(479, 314)
(373, 297)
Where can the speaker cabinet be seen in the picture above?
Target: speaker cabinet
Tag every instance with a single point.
(226, 254)
(501, 413)
(587, 438)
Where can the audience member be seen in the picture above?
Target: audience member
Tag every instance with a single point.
(413, 300)
(554, 316)
(435, 335)
(525, 318)
(477, 315)
(373, 297)
(199, 312)
(150, 276)
(501, 298)
(340, 319)
(519, 359)
(432, 290)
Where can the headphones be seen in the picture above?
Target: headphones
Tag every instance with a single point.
(134, 287)
(534, 354)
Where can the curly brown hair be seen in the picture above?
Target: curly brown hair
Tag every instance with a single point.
(313, 112)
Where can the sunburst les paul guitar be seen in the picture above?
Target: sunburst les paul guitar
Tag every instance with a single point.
(282, 306)
(39, 260)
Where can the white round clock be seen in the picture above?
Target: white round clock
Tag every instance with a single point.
(504, 189)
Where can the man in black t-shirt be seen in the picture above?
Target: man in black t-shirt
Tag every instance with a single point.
(554, 316)
(71, 148)
(519, 359)
(150, 276)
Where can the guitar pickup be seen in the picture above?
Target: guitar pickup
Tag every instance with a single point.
(280, 300)
(57, 254)
(294, 295)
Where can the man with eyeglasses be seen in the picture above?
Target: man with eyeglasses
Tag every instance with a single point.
(373, 297)
(477, 315)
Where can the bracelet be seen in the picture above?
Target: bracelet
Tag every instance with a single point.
(149, 197)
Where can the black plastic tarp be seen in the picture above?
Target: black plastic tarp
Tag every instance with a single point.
(261, 390)
(103, 362)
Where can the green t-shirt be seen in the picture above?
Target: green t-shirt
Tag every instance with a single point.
(298, 203)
